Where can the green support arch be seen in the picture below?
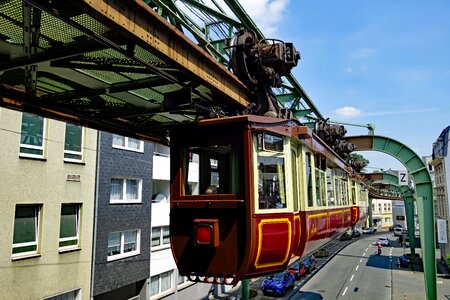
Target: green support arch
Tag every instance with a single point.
(408, 197)
(424, 197)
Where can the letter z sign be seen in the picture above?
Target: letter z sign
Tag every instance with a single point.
(402, 178)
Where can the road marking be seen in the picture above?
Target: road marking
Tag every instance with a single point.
(360, 259)
(357, 268)
(440, 282)
(367, 248)
(364, 254)
(353, 275)
(345, 291)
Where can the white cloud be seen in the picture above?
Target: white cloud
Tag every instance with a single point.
(347, 111)
(267, 14)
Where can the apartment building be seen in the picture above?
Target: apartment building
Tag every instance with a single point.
(122, 218)
(47, 209)
(441, 164)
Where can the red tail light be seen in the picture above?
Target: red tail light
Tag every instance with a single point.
(206, 232)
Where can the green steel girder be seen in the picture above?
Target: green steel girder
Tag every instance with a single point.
(424, 197)
(408, 198)
(238, 18)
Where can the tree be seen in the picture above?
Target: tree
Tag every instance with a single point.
(358, 162)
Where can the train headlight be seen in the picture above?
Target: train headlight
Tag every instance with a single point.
(206, 232)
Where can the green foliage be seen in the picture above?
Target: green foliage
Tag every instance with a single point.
(358, 162)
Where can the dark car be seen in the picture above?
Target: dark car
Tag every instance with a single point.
(310, 263)
(278, 284)
(345, 236)
(356, 233)
(298, 270)
(395, 226)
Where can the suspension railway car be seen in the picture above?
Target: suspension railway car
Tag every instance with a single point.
(251, 194)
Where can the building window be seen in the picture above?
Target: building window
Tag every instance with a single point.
(69, 227)
(183, 281)
(32, 137)
(26, 230)
(126, 190)
(126, 143)
(160, 236)
(161, 284)
(123, 244)
(73, 144)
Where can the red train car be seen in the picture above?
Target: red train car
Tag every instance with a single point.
(251, 194)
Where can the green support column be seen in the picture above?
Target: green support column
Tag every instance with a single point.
(424, 198)
(370, 212)
(245, 289)
(409, 209)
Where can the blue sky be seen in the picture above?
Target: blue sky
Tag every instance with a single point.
(381, 62)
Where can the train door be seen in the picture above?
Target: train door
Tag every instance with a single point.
(273, 218)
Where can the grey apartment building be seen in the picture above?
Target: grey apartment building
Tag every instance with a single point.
(122, 231)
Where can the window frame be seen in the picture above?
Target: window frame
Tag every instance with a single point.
(161, 245)
(125, 147)
(37, 229)
(78, 226)
(124, 200)
(122, 253)
(34, 147)
(71, 152)
(261, 150)
(166, 292)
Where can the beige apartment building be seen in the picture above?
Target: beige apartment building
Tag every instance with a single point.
(47, 207)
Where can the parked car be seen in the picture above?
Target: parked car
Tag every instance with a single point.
(298, 270)
(398, 231)
(356, 233)
(310, 263)
(403, 262)
(384, 241)
(395, 226)
(278, 283)
(369, 230)
(322, 252)
(346, 236)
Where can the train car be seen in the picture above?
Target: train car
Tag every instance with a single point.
(251, 194)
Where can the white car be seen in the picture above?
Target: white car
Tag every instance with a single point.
(384, 241)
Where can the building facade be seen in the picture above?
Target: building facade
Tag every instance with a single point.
(441, 164)
(46, 220)
(122, 218)
(381, 213)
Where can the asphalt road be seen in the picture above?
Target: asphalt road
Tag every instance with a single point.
(356, 272)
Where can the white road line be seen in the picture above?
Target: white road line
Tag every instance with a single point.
(353, 275)
(360, 259)
(439, 282)
(357, 268)
(364, 254)
(367, 248)
(345, 291)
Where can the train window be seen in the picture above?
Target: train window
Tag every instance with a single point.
(295, 178)
(271, 172)
(337, 184)
(308, 173)
(330, 187)
(211, 169)
(354, 192)
(320, 188)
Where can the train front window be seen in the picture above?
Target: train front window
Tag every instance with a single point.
(211, 169)
(271, 172)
